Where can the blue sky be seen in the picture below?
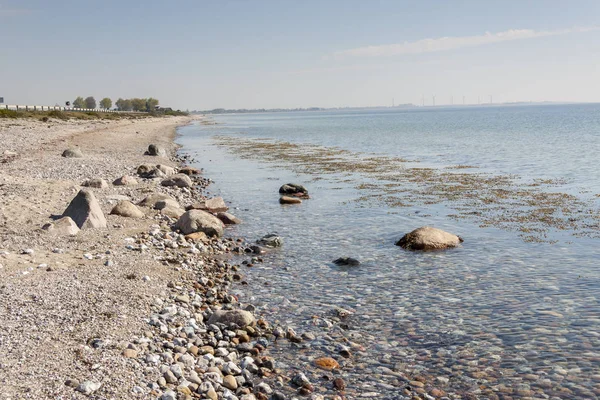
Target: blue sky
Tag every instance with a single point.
(251, 54)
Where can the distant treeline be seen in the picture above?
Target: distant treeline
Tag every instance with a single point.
(135, 104)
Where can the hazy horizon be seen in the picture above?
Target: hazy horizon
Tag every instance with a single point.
(268, 54)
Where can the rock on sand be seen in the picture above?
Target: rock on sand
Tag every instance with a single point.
(72, 153)
(200, 221)
(127, 209)
(85, 210)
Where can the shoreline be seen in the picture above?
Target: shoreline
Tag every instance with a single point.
(118, 312)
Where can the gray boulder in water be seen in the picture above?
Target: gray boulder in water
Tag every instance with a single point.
(292, 189)
(428, 238)
(346, 261)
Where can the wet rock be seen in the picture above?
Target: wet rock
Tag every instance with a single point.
(200, 221)
(428, 238)
(271, 240)
(239, 317)
(155, 150)
(292, 189)
(228, 219)
(189, 170)
(346, 261)
(72, 153)
(289, 200)
(62, 226)
(179, 180)
(300, 380)
(85, 210)
(327, 363)
(125, 181)
(127, 209)
(97, 183)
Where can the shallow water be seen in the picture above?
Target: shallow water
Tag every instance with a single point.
(498, 315)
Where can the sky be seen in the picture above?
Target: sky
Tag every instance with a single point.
(200, 55)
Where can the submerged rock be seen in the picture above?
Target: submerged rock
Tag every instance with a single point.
(85, 210)
(200, 221)
(292, 189)
(346, 261)
(271, 240)
(428, 238)
(289, 200)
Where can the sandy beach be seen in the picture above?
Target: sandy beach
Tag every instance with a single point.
(75, 310)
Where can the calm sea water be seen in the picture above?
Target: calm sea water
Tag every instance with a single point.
(496, 317)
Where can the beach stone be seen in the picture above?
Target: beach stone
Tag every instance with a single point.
(145, 169)
(428, 238)
(155, 150)
(88, 387)
(229, 382)
(172, 212)
(216, 205)
(85, 211)
(346, 261)
(327, 363)
(72, 153)
(165, 169)
(97, 183)
(189, 170)
(228, 219)
(292, 189)
(62, 226)
(179, 180)
(164, 203)
(241, 318)
(200, 221)
(151, 200)
(130, 353)
(197, 237)
(339, 384)
(125, 181)
(271, 240)
(127, 209)
(289, 200)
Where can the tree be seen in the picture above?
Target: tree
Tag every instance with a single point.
(90, 102)
(123, 105)
(106, 103)
(79, 102)
(138, 104)
(151, 104)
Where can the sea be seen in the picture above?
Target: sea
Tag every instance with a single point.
(514, 312)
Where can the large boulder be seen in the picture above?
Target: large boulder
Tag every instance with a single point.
(292, 189)
(346, 261)
(289, 200)
(155, 150)
(214, 205)
(179, 180)
(62, 226)
(241, 318)
(199, 221)
(125, 181)
(127, 209)
(97, 183)
(85, 210)
(153, 199)
(428, 238)
(72, 153)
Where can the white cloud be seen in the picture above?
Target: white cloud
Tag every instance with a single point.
(453, 42)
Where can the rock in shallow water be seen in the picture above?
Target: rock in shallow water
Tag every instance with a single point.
(200, 221)
(428, 238)
(271, 240)
(289, 200)
(292, 189)
(241, 318)
(346, 261)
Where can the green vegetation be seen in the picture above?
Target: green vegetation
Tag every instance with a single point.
(45, 116)
(137, 104)
(79, 102)
(106, 103)
(90, 102)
